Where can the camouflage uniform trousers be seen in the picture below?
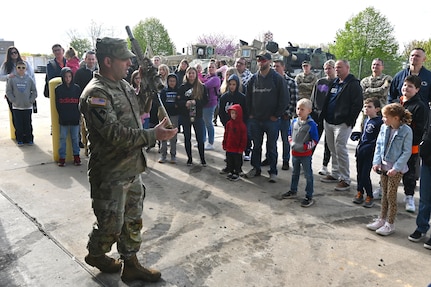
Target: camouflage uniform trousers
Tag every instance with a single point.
(118, 207)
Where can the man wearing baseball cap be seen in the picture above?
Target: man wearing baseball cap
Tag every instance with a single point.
(112, 114)
(266, 99)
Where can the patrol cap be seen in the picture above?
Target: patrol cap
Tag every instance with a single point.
(305, 62)
(114, 47)
(264, 55)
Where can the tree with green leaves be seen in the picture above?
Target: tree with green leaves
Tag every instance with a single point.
(366, 36)
(80, 45)
(151, 32)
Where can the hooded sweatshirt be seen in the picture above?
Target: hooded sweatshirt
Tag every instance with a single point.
(21, 91)
(67, 100)
(235, 132)
(230, 98)
(168, 97)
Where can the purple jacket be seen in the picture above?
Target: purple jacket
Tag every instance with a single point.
(212, 84)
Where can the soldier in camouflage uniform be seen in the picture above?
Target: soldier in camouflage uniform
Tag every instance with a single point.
(112, 114)
(377, 85)
(305, 81)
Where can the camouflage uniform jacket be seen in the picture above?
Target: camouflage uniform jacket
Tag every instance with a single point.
(376, 87)
(305, 84)
(112, 114)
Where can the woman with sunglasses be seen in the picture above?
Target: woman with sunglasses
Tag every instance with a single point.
(8, 70)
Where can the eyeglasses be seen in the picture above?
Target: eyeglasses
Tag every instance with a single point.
(56, 50)
(20, 68)
(14, 52)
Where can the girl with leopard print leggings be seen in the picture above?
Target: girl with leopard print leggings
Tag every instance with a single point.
(393, 149)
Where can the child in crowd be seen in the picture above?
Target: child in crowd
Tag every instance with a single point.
(234, 141)
(135, 81)
(229, 98)
(303, 137)
(393, 150)
(365, 150)
(412, 102)
(72, 60)
(21, 92)
(66, 101)
(168, 96)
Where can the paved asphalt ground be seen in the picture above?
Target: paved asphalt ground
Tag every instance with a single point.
(199, 228)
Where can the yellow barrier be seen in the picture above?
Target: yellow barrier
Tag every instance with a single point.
(55, 125)
(12, 128)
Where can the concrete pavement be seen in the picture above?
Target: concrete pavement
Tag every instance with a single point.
(199, 228)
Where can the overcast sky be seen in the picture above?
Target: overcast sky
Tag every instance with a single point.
(45, 23)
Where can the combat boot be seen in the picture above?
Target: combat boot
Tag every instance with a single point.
(104, 263)
(133, 270)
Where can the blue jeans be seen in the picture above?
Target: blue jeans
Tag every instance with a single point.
(207, 115)
(257, 130)
(74, 135)
(305, 161)
(423, 217)
(284, 131)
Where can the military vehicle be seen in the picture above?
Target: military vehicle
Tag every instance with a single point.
(197, 53)
(293, 56)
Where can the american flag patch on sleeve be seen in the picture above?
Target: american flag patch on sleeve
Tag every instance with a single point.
(98, 101)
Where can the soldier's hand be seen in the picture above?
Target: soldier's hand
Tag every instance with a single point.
(162, 133)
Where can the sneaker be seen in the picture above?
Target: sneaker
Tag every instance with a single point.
(229, 175)
(253, 173)
(369, 202)
(30, 143)
(427, 244)
(376, 224)
(272, 178)
(203, 163)
(416, 236)
(342, 186)
(189, 162)
(265, 162)
(76, 160)
(329, 179)
(173, 160)
(377, 194)
(386, 229)
(234, 177)
(209, 146)
(223, 171)
(289, 195)
(241, 174)
(359, 198)
(410, 203)
(306, 202)
(323, 170)
(20, 144)
(162, 160)
(285, 165)
(247, 158)
(61, 162)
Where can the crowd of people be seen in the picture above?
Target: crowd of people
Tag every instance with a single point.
(389, 117)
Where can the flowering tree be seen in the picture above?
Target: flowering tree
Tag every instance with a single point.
(224, 46)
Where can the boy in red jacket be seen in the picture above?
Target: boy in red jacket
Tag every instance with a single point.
(234, 142)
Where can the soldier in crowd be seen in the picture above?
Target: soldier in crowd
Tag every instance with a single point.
(377, 85)
(112, 113)
(306, 81)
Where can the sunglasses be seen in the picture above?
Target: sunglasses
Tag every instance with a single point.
(14, 52)
(20, 68)
(262, 60)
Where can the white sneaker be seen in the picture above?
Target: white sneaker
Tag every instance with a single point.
(323, 170)
(209, 146)
(377, 194)
(386, 229)
(376, 224)
(410, 203)
(247, 158)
